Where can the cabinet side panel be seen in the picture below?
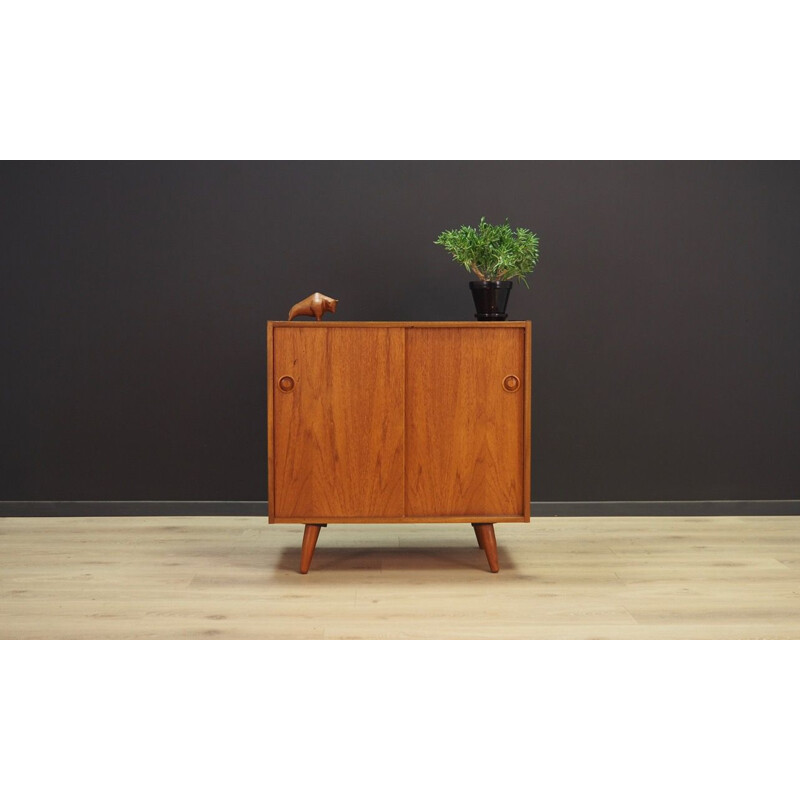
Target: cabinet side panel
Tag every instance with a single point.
(270, 441)
(464, 432)
(526, 423)
(338, 433)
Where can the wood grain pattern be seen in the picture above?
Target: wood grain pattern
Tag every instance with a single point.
(338, 434)
(466, 426)
(464, 433)
(561, 578)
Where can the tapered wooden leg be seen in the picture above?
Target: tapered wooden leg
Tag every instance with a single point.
(485, 533)
(478, 535)
(310, 536)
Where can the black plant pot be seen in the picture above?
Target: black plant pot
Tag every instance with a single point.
(491, 298)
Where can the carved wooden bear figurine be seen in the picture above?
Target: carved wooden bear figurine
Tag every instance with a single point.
(315, 305)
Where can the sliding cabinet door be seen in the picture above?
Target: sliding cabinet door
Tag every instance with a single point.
(466, 391)
(337, 418)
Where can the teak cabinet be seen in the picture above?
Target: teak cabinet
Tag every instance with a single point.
(399, 422)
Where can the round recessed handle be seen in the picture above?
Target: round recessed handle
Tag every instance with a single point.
(286, 383)
(511, 383)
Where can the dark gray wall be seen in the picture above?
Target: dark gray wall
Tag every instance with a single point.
(666, 315)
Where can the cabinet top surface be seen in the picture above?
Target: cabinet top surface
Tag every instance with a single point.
(466, 324)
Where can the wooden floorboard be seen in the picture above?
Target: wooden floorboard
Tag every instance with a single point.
(560, 578)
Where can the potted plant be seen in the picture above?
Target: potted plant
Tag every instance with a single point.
(496, 254)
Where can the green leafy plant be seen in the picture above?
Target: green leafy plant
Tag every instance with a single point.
(493, 252)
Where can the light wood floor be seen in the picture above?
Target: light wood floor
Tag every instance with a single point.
(237, 578)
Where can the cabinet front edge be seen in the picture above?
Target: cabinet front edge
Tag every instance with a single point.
(382, 520)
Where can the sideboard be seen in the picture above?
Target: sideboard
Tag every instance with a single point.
(399, 422)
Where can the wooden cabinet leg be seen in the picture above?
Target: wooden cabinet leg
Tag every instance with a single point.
(486, 538)
(310, 536)
(478, 535)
